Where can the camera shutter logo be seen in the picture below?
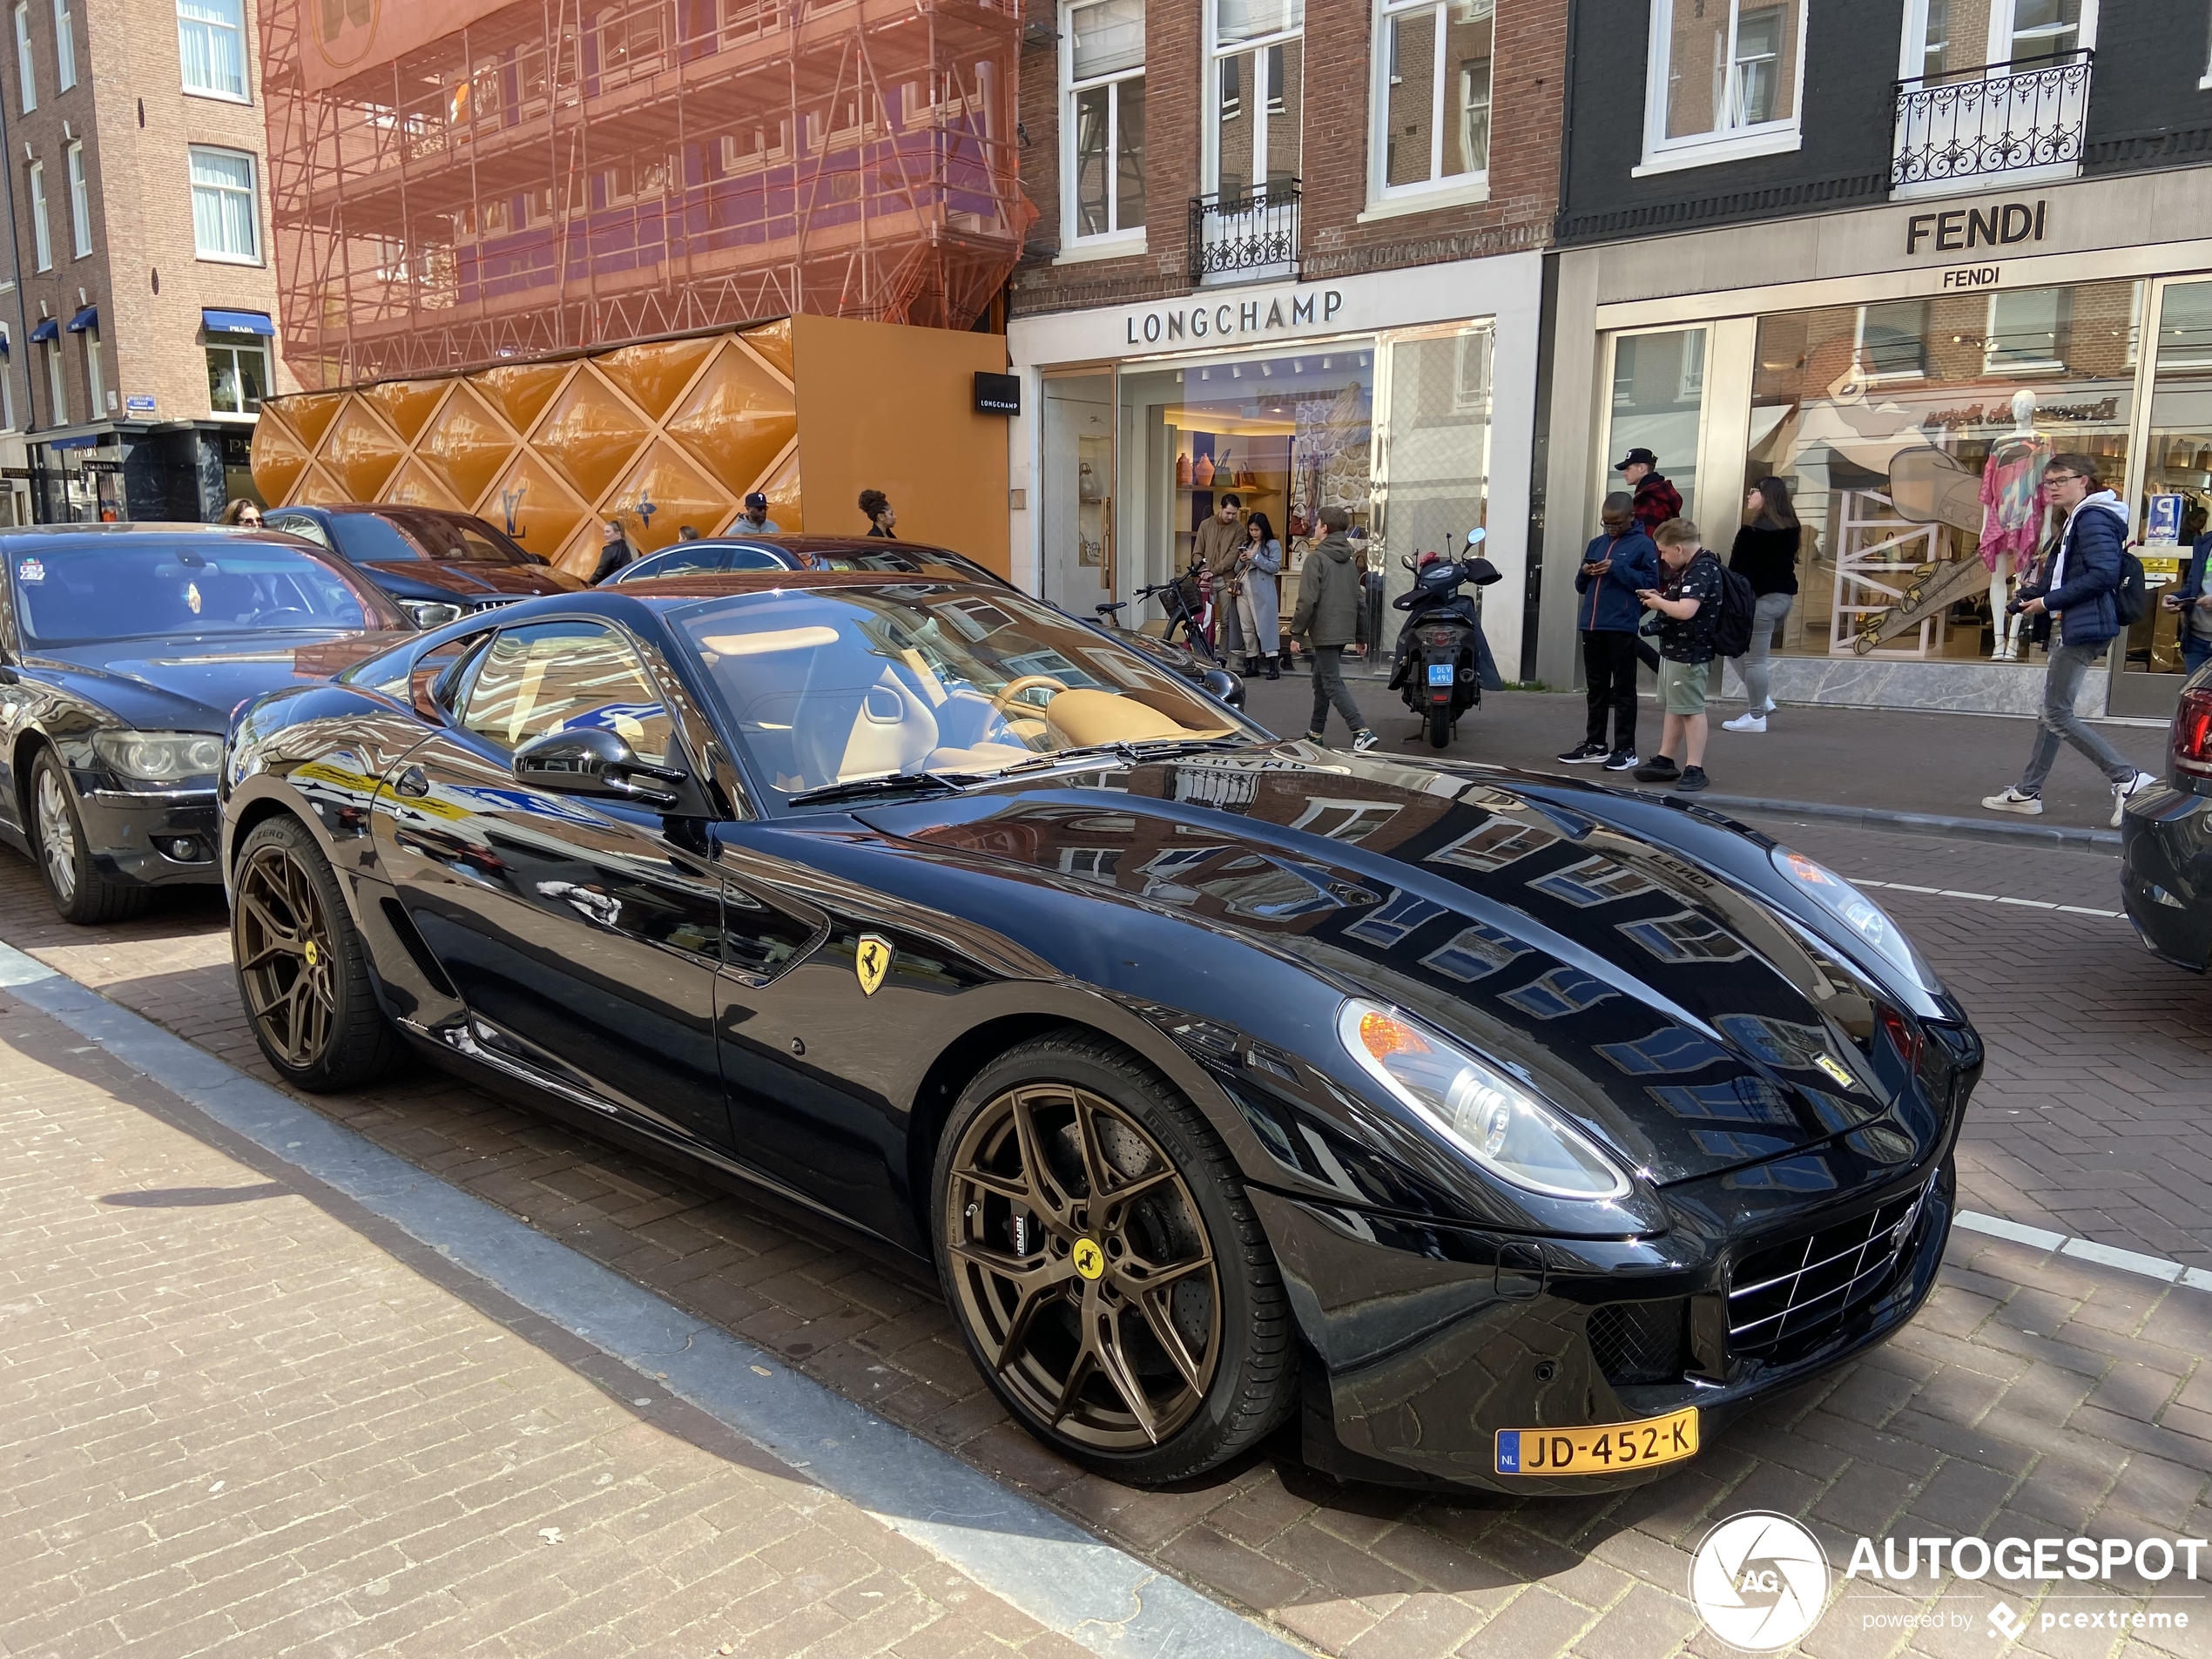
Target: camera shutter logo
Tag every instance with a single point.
(1759, 1582)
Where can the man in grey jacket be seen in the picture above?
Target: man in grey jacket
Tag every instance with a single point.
(1329, 599)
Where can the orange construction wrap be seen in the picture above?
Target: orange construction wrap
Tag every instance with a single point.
(469, 185)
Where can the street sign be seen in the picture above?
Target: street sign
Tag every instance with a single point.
(2162, 523)
(140, 405)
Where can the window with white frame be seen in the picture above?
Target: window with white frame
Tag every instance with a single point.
(80, 202)
(64, 47)
(225, 223)
(1102, 67)
(42, 236)
(57, 389)
(1724, 82)
(95, 372)
(26, 81)
(1952, 40)
(1431, 103)
(7, 387)
(1257, 58)
(238, 373)
(210, 46)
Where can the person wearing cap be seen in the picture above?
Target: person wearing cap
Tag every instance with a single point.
(1655, 500)
(754, 521)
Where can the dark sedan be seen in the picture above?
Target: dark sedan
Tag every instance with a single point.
(439, 565)
(1524, 1131)
(126, 648)
(2166, 838)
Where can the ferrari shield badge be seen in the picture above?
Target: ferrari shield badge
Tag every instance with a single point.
(871, 961)
(1833, 1068)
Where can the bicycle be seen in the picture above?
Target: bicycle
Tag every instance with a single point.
(1177, 605)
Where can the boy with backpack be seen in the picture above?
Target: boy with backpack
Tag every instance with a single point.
(1696, 611)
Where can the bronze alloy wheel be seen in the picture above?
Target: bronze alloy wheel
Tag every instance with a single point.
(286, 958)
(1082, 1266)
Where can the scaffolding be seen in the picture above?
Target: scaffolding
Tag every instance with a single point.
(550, 175)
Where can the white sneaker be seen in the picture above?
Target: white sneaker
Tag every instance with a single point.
(2013, 801)
(2122, 793)
(1745, 723)
(1769, 709)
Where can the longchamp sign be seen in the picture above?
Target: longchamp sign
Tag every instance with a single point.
(1268, 314)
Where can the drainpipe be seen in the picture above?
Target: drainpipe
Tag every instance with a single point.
(23, 315)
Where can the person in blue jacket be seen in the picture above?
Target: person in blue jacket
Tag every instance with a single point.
(1616, 564)
(2072, 608)
(2195, 602)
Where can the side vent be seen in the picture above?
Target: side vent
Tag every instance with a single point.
(417, 948)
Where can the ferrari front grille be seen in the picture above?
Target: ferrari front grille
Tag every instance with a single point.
(1783, 1300)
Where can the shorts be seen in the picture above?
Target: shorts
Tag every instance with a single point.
(1681, 686)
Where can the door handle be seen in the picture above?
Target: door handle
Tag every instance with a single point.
(413, 781)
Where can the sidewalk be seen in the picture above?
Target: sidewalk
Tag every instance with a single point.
(1886, 760)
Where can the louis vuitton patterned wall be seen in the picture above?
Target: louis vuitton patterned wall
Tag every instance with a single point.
(660, 436)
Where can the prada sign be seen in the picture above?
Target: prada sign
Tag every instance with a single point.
(1957, 229)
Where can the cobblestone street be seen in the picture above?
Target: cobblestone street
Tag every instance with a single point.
(2038, 1393)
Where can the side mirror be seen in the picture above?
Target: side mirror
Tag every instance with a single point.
(1476, 537)
(595, 762)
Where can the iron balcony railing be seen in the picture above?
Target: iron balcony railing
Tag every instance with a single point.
(1244, 235)
(2002, 119)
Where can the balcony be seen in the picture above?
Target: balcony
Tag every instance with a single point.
(1244, 235)
(2004, 124)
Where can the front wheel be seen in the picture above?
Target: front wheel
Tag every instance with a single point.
(80, 892)
(1107, 1270)
(1439, 726)
(303, 971)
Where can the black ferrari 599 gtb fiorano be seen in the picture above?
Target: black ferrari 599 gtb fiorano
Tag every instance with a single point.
(1500, 1130)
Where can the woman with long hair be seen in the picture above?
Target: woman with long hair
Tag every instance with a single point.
(1259, 562)
(243, 510)
(1765, 555)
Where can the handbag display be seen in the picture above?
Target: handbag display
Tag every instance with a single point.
(1182, 470)
(1201, 472)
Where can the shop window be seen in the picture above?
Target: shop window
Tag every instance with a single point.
(2175, 506)
(238, 374)
(1658, 404)
(80, 203)
(2027, 331)
(1724, 81)
(210, 46)
(42, 234)
(1258, 64)
(26, 79)
(226, 220)
(1432, 96)
(1103, 142)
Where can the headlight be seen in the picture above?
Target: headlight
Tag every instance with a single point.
(429, 613)
(160, 757)
(1858, 913)
(1483, 1114)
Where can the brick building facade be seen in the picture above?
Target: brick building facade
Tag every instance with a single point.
(141, 334)
(1359, 322)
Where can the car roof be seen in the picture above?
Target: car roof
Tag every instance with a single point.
(387, 508)
(51, 535)
(668, 591)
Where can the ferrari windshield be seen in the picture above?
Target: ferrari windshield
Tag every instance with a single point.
(826, 686)
(142, 587)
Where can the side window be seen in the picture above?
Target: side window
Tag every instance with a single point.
(296, 524)
(557, 676)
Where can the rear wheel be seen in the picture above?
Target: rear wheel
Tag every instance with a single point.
(1108, 1272)
(80, 890)
(302, 969)
(1439, 726)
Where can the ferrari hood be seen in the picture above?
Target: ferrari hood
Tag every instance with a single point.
(192, 685)
(1680, 1017)
(419, 578)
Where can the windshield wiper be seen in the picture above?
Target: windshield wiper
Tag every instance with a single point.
(945, 782)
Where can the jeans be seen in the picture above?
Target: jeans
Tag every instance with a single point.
(2195, 648)
(1756, 664)
(2070, 664)
(1329, 687)
(1609, 669)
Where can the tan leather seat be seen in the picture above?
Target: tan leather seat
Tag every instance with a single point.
(1077, 718)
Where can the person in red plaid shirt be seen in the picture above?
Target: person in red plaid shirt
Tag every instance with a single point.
(1656, 500)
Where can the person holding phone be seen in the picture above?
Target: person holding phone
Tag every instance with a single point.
(1687, 602)
(2196, 606)
(1618, 562)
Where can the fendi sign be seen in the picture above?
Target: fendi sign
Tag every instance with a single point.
(1999, 224)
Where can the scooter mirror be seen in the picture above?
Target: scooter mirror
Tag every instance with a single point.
(1476, 536)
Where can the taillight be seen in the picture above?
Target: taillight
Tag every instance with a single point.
(1440, 637)
(2192, 737)
(1903, 1037)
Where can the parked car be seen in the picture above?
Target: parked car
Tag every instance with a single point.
(2166, 839)
(1528, 1130)
(439, 565)
(871, 554)
(126, 648)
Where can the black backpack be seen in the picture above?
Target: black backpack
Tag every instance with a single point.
(2130, 599)
(1732, 628)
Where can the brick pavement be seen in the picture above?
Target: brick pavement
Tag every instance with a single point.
(239, 1416)
(2033, 1388)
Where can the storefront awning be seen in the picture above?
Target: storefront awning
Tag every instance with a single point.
(238, 322)
(88, 318)
(83, 440)
(47, 329)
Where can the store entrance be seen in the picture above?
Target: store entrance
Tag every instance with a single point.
(1076, 491)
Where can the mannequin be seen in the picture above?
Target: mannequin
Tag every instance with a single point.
(2013, 512)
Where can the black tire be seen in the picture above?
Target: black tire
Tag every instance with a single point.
(1246, 1381)
(80, 892)
(1439, 726)
(303, 973)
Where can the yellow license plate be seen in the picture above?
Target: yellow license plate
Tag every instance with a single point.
(1603, 1449)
